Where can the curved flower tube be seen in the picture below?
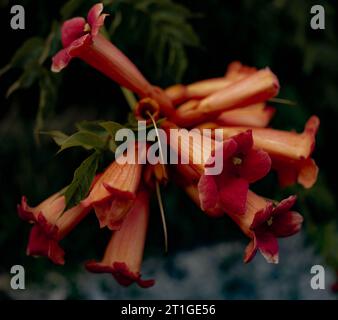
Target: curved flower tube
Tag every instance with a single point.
(290, 151)
(264, 222)
(51, 225)
(257, 87)
(81, 38)
(198, 90)
(114, 192)
(124, 253)
(256, 115)
(241, 165)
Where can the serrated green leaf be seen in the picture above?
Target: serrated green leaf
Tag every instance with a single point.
(82, 179)
(84, 139)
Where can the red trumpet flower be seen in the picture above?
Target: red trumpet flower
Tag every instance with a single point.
(264, 222)
(114, 192)
(124, 253)
(242, 165)
(238, 165)
(290, 151)
(51, 225)
(81, 38)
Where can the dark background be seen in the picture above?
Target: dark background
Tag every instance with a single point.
(169, 44)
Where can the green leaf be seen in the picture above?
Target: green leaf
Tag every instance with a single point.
(69, 8)
(49, 83)
(111, 127)
(83, 177)
(29, 52)
(51, 44)
(162, 29)
(84, 139)
(27, 78)
(58, 136)
(91, 126)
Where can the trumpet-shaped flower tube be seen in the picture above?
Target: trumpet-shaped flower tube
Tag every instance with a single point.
(258, 87)
(241, 165)
(124, 253)
(51, 224)
(290, 151)
(179, 93)
(264, 222)
(257, 115)
(81, 38)
(114, 192)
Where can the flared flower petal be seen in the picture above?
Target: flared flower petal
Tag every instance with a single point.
(212, 209)
(287, 224)
(72, 30)
(305, 172)
(82, 39)
(51, 208)
(64, 56)
(95, 18)
(264, 222)
(43, 241)
(124, 253)
(256, 165)
(290, 152)
(232, 194)
(242, 166)
(114, 192)
(268, 246)
(51, 224)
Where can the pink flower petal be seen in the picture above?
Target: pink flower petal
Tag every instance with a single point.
(60, 60)
(262, 216)
(120, 272)
(41, 243)
(95, 18)
(233, 194)
(72, 30)
(285, 205)
(208, 193)
(256, 164)
(24, 211)
(268, 246)
(250, 250)
(244, 141)
(63, 57)
(286, 224)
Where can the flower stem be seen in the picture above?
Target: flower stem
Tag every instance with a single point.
(164, 224)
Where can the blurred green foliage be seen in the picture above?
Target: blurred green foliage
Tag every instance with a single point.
(170, 41)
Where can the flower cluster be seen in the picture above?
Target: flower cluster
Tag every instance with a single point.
(235, 105)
